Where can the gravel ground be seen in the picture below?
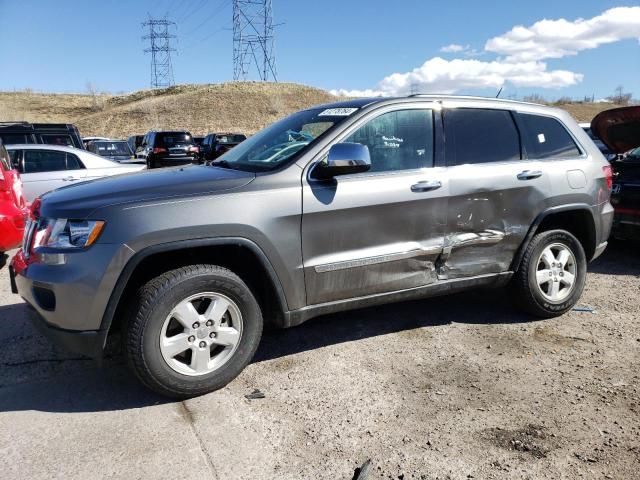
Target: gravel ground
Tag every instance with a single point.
(452, 387)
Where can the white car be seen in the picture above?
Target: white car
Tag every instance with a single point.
(46, 167)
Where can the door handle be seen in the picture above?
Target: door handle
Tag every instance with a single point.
(70, 179)
(425, 186)
(529, 174)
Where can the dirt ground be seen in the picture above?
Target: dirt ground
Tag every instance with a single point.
(453, 387)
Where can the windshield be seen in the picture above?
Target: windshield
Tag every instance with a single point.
(633, 155)
(174, 139)
(277, 144)
(232, 138)
(108, 149)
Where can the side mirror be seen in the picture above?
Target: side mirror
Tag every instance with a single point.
(344, 159)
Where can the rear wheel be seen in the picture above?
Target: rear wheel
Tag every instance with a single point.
(192, 331)
(552, 274)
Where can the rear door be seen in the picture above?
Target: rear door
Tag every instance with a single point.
(495, 191)
(45, 170)
(379, 231)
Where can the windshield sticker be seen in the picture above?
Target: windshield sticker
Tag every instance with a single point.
(337, 112)
(541, 138)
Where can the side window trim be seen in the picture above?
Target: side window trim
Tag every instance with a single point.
(437, 140)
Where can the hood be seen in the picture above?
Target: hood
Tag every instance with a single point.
(78, 201)
(618, 128)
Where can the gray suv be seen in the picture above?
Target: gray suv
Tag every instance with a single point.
(337, 207)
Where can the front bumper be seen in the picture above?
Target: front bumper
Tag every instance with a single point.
(88, 343)
(67, 302)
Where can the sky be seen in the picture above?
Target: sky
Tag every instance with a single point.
(553, 48)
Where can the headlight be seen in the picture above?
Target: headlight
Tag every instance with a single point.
(65, 234)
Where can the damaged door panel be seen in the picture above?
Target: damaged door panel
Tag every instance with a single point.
(490, 211)
(495, 193)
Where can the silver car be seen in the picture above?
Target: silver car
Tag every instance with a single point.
(337, 207)
(46, 167)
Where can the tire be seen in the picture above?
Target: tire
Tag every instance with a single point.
(154, 313)
(542, 300)
(150, 164)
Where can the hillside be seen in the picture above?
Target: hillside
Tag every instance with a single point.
(237, 106)
(240, 106)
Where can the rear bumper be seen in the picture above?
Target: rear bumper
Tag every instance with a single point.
(174, 161)
(11, 227)
(626, 224)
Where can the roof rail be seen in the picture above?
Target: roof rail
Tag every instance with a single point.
(16, 122)
(467, 97)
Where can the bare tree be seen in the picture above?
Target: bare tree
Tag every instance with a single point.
(96, 101)
(620, 97)
(534, 98)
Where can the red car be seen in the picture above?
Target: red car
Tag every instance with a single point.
(13, 207)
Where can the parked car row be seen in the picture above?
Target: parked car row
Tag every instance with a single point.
(36, 158)
(171, 148)
(619, 130)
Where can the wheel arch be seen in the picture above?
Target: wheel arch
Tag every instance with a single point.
(577, 219)
(174, 254)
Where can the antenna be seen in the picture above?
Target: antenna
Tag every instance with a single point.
(160, 49)
(499, 92)
(253, 40)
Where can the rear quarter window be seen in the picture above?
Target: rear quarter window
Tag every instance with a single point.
(546, 137)
(52, 139)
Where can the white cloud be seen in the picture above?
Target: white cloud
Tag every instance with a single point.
(521, 51)
(438, 75)
(560, 38)
(341, 92)
(454, 48)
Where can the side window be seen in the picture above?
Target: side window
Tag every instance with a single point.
(9, 138)
(400, 140)
(64, 140)
(73, 162)
(546, 137)
(38, 161)
(480, 136)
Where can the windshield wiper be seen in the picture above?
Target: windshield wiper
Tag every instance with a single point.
(222, 164)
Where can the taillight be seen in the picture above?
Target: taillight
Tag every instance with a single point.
(608, 175)
(34, 210)
(159, 150)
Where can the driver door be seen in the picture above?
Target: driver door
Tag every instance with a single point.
(379, 231)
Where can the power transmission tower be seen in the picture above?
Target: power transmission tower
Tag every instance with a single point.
(253, 40)
(160, 48)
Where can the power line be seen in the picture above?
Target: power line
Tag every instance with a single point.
(160, 49)
(253, 39)
(221, 6)
(188, 13)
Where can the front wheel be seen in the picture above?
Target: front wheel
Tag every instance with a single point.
(192, 330)
(552, 274)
